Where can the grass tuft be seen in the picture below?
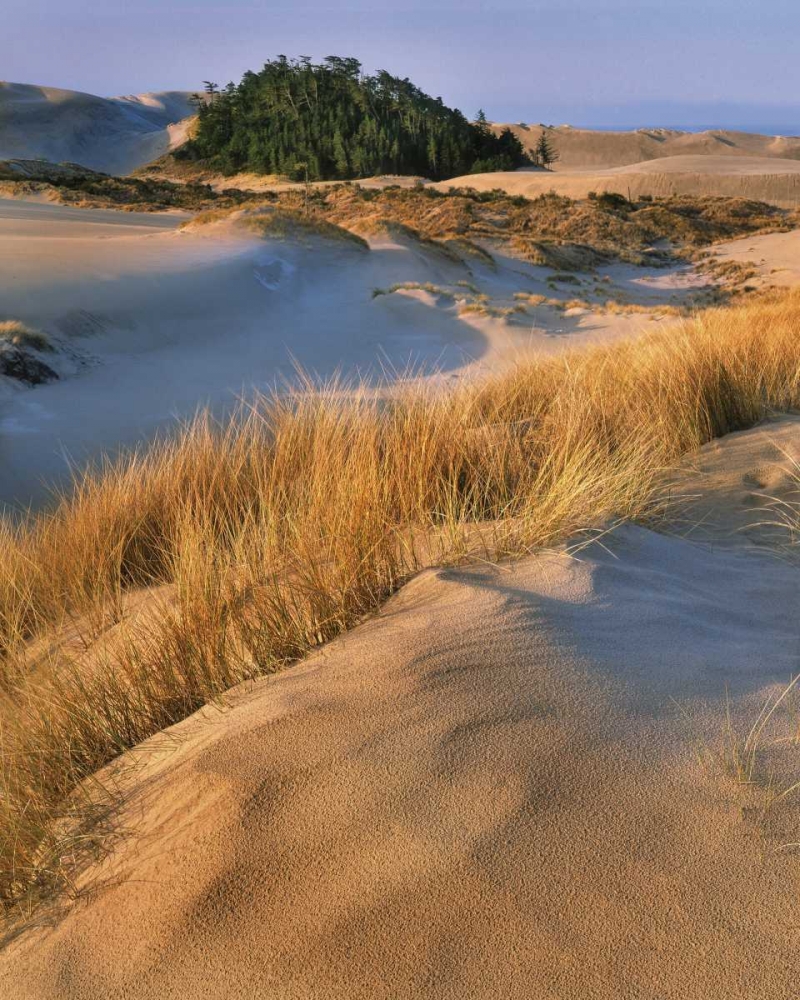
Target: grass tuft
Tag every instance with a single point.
(17, 334)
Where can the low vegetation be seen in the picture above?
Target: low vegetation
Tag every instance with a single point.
(268, 221)
(752, 753)
(168, 576)
(415, 286)
(551, 230)
(18, 334)
(84, 188)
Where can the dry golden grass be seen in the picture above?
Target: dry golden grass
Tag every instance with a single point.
(276, 532)
(414, 286)
(18, 334)
(748, 753)
(738, 752)
(277, 223)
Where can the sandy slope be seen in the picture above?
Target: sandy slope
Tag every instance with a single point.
(152, 323)
(115, 135)
(773, 180)
(585, 148)
(739, 487)
(487, 792)
(775, 258)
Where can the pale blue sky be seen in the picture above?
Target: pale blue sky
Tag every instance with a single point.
(689, 63)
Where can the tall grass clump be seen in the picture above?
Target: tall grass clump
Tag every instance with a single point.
(262, 538)
(17, 334)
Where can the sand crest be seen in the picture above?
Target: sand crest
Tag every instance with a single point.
(112, 134)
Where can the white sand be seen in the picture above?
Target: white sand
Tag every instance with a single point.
(115, 135)
(486, 792)
(152, 323)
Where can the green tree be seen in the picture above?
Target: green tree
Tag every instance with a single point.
(341, 165)
(545, 153)
(340, 123)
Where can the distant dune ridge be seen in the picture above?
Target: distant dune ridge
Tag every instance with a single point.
(654, 162)
(115, 135)
(578, 147)
(774, 181)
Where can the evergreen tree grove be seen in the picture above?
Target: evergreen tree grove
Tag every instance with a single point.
(338, 124)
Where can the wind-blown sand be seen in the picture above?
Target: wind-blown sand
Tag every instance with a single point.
(485, 792)
(114, 135)
(772, 180)
(152, 323)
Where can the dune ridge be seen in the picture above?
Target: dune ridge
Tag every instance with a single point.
(265, 538)
(774, 181)
(114, 135)
(584, 148)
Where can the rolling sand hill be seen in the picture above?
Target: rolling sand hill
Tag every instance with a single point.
(763, 178)
(486, 792)
(115, 135)
(585, 148)
(656, 162)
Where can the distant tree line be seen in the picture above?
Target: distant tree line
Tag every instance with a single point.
(330, 121)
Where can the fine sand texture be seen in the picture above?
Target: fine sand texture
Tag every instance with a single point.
(761, 178)
(114, 135)
(488, 791)
(150, 323)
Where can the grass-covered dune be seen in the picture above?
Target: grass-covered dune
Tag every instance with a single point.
(551, 229)
(250, 544)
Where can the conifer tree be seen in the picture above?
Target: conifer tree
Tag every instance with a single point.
(545, 153)
(340, 123)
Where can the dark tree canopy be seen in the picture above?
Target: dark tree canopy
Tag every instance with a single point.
(545, 152)
(335, 123)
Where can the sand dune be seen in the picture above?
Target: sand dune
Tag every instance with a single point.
(772, 180)
(584, 148)
(114, 135)
(152, 323)
(486, 792)
(775, 259)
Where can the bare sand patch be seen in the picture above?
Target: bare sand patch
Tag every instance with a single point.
(114, 135)
(738, 487)
(774, 258)
(772, 180)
